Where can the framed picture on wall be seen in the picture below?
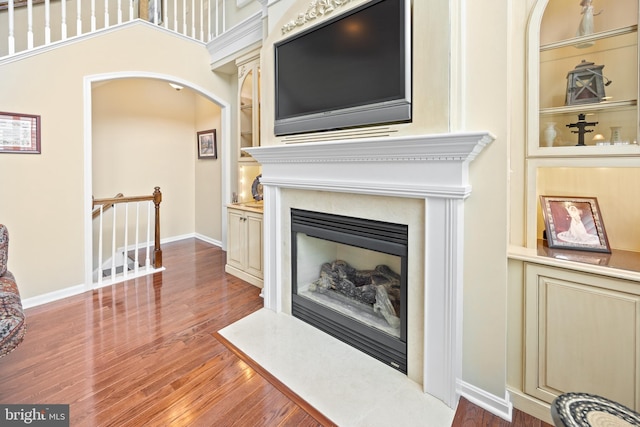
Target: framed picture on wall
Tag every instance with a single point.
(207, 144)
(574, 223)
(19, 133)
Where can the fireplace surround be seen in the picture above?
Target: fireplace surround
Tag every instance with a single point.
(421, 180)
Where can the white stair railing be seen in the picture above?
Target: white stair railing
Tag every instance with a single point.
(36, 23)
(124, 260)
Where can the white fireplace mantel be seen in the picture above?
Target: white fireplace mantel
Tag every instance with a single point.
(408, 166)
(432, 167)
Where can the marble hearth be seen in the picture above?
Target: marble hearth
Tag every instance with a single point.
(421, 181)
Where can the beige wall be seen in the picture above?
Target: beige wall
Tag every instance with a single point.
(134, 119)
(208, 173)
(44, 205)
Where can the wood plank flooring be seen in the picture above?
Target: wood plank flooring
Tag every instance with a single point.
(146, 353)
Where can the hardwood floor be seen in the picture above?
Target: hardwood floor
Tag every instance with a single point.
(470, 415)
(146, 353)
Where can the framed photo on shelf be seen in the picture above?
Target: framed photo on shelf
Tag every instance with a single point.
(207, 144)
(574, 223)
(19, 133)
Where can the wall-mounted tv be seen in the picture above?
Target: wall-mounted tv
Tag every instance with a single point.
(352, 70)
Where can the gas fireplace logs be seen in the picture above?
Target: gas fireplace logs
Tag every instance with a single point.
(378, 288)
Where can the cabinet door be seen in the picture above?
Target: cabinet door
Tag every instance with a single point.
(581, 334)
(236, 239)
(254, 244)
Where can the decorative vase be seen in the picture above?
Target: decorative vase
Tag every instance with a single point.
(550, 134)
(615, 134)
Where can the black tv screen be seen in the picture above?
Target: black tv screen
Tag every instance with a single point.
(352, 70)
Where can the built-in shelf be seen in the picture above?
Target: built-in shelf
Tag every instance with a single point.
(618, 264)
(587, 108)
(590, 38)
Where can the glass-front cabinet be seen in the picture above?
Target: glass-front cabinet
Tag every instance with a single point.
(248, 104)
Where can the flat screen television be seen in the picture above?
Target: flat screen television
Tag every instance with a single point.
(352, 70)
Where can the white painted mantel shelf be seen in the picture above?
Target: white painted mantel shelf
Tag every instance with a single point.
(448, 156)
(431, 167)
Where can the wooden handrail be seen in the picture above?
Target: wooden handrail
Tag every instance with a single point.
(105, 204)
(156, 197)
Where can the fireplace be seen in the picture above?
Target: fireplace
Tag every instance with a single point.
(349, 279)
(418, 180)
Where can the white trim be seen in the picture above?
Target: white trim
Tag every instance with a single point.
(114, 280)
(241, 37)
(209, 240)
(53, 296)
(225, 137)
(502, 407)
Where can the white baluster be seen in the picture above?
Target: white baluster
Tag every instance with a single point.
(106, 13)
(47, 22)
(100, 243)
(125, 255)
(201, 21)
(175, 15)
(79, 17)
(131, 11)
(193, 19)
(63, 19)
(217, 17)
(224, 16)
(93, 15)
(113, 243)
(184, 17)
(137, 245)
(165, 13)
(29, 24)
(11, 39)
(147, 261)
(209, 35)
(119, 11)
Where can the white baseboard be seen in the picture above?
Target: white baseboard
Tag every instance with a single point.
(53, 296)
(204, 238)
(501, 407)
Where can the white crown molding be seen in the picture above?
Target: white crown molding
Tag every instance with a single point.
(246, 34)
(316, 8)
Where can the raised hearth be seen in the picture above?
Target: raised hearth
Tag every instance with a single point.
(421, 181)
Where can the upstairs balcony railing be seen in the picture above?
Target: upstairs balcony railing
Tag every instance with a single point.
(30, 24)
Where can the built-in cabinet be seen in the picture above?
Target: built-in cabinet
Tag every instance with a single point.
(580, 311)
(244, 247)
(582, 333)
(244, 215)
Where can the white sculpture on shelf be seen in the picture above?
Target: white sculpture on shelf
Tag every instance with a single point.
(586, 23)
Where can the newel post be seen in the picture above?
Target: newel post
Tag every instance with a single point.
(157, 252)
